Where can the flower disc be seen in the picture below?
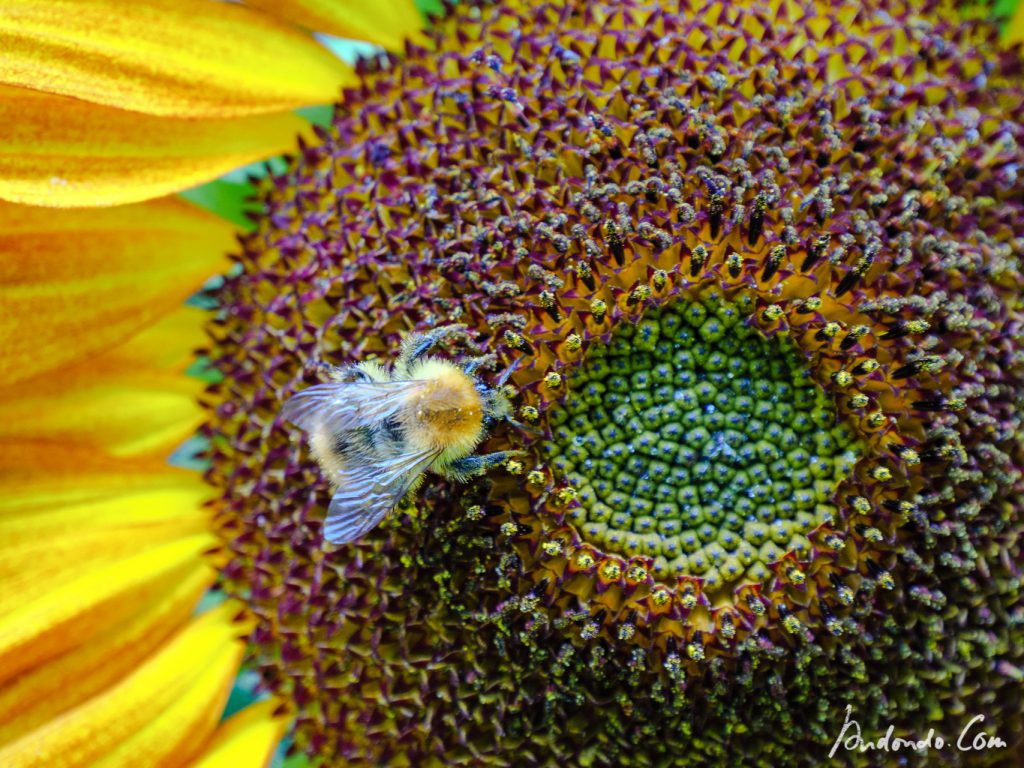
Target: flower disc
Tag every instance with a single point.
(758, 269)
(696, 441)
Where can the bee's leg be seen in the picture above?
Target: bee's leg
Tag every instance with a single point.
(473, 363)
(324, 369)
(471, 466)
(418, 344)
(347, 372)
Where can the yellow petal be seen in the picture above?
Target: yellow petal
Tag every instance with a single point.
(39, 475)
(37, 628)
(77, 282)
(63, 152)
(190, 58)
(1014, 30)
(168, 344)
(159, 715)
(44, 551)
(388, 23)
(246, 740)
(43, 693)
(118, 406)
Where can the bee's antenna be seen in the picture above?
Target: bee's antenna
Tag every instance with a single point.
(525, 427)
(509, 371)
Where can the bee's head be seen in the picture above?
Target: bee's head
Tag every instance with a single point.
(496, 405)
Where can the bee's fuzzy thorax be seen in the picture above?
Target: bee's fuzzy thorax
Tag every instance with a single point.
(447, 413)
(321, 442)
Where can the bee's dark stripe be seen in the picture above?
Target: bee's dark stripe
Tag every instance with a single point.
(394, 430)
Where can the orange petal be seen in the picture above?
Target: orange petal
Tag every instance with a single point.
(247, 739)
(169, 344)
(190, 58)
(160, 715)
(78, 282)
(35, 628)
(71, 566)
(117, 401)
(43, 693)
(388, 23)
(40, 475)
(48, 555)
(63, 152)
(118, 406)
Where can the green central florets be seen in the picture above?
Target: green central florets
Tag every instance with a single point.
(695, 440)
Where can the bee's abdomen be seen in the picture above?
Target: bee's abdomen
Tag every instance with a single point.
(393, 430)
(341, 445)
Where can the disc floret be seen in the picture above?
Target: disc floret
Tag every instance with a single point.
(694, 440)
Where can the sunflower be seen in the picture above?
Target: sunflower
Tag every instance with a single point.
(641, 201)
(758, 266)
(107, 654)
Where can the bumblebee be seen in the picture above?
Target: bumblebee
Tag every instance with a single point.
(375, 431)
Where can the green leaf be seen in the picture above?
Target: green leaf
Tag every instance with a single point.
(189, 455)
(319, 115)
(228, 199)
(347, 50)
(296, 761)
(1003, 9)
(430, 7)
(244, 692)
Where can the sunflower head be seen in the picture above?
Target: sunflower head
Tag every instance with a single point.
(695, 457)
(759, 270)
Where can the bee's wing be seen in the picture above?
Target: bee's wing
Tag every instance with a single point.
(343, 405)
(368, 490)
